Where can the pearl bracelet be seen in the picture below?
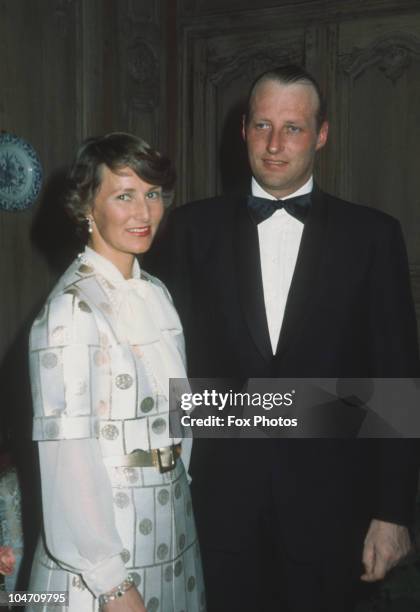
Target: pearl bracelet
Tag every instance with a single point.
(117, 592)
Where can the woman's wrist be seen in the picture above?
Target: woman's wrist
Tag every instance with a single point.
(117, 592)
(102, 577)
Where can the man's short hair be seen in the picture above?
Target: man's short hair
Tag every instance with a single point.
(286, 75)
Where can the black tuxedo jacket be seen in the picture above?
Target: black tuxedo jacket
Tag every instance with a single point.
(349, 313)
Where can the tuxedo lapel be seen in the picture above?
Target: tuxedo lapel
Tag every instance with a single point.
(307, 275)
(248, 274)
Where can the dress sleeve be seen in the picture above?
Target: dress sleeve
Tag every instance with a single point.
(63, 346)
(79, 520)
(67, 381)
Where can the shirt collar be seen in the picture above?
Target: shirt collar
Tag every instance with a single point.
(259, 192)
(107, 269)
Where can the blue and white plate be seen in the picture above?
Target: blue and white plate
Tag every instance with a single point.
(20, 173)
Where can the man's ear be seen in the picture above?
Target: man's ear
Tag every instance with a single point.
(322, 135)
(244, 128)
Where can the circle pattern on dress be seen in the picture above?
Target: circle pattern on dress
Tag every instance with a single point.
(163, 497)
(59, 334)
(191, 583)
(110, 432)
(146, 526)
(123, 381)
(72, 291)
(99, 358)
(136, 578)
(49, 360)
(77, 583)
(84, 307)
(169, 573)
(85, 269)
(181, 541)
(147, 404)
(131, 475)
(125, 555)
(121, 500)
(178, 568)
(153, 605)
(102, 408)
(52, 430)
(159, 426)
(162, 551)
(177, 490)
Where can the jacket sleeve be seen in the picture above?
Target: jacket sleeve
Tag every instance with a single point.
(394, 346)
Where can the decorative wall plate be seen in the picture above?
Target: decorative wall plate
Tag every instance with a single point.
(20, 173)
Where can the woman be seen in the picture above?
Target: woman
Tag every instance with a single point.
(119, 530)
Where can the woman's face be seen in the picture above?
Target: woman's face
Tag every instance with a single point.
(126, 213)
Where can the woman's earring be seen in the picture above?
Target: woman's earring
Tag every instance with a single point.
(89, 222)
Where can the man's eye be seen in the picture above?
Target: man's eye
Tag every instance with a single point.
(262, 125)
(293, 129)
(125, 197)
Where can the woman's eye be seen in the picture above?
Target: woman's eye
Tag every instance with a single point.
(124, 197)
(153, 195)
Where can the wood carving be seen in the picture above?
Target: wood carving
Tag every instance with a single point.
(143, 68)
(392, 55)
(248, 64)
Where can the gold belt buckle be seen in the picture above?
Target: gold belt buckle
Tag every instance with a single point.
(166, 459)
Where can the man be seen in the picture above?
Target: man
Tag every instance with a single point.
(318, 287)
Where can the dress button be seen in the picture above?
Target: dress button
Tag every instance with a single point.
(147, 404)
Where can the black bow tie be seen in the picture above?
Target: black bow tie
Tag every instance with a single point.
(262, 208)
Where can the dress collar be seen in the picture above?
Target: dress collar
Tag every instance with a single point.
(107, 269)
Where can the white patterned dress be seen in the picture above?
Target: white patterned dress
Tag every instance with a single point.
(101, 355)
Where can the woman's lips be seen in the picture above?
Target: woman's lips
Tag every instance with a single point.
(140, 231)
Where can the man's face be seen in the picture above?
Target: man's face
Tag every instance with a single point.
(282, 136)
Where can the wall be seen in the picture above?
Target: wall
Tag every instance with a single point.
(69, 69)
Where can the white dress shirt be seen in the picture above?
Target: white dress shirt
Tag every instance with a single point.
(279, 239)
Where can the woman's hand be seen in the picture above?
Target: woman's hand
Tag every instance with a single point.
(131, 601)
(7, 560)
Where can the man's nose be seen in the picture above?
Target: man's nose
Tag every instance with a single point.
(275, 141)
